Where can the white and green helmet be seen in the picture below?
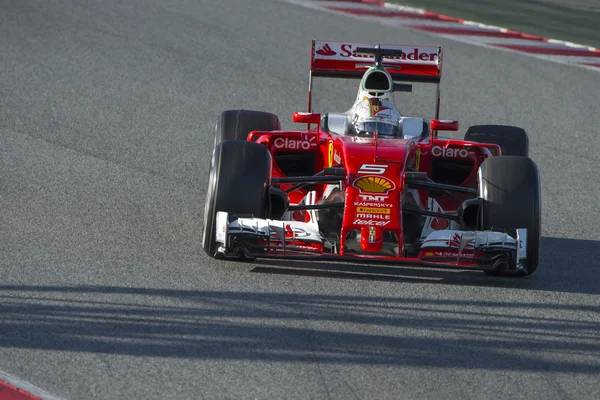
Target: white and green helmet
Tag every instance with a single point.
(374, 109)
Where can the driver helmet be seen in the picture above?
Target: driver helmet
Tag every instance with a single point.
(376, 115)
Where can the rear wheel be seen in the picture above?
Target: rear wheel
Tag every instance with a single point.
(513, 141)
(510, 190)
(238, 182)
(237, 124)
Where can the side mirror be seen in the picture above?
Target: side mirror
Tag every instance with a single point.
(336, 124)
(443, 125)
(411, 127)
(306, 117)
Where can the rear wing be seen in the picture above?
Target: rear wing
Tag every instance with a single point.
(348, 60)
(344, 60)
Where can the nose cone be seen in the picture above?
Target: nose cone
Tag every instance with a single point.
(371, 238)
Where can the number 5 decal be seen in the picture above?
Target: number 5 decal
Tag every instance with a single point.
(375, 169)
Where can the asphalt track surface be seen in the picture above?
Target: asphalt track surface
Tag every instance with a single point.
(107, 110)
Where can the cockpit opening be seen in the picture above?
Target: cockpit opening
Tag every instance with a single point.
(377, 81)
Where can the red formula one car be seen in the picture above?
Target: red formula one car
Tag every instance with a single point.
(371, 184)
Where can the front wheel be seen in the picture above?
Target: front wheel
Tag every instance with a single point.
(509, 187)
(238, 183)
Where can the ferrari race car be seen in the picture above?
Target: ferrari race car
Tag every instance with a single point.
(372, 185)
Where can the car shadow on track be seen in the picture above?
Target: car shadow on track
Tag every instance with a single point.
(497, 335)
(566, 265)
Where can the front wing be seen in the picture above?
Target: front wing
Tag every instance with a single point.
(262, 238)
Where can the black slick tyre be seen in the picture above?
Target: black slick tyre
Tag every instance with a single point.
(509, 187)
(238, 183)
(513, 141)
(237, 124)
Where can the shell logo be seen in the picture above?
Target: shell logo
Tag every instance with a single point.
(373, 184)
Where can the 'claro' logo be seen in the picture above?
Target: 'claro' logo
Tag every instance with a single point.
(294, 144)
(438, 151)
